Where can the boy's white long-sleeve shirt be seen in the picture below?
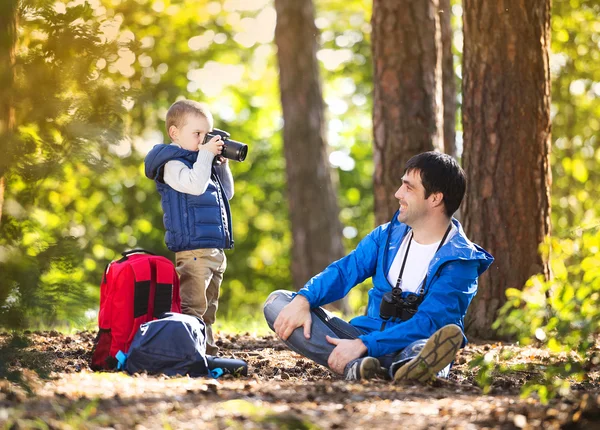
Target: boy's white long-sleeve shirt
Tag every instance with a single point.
(195, 180)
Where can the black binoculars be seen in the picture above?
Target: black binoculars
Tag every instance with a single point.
(231, 149)
(396, 307)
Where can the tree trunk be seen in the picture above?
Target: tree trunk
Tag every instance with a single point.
(8, 41)
(506, 120)
(314, 211)
(448, 79)
(407, 101)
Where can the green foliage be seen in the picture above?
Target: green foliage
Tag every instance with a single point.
(576, 115)
(563, 311)
(345, 54)
(345, 57)
(90, 73)
(488, 368)
(561, 314)
(67, 114)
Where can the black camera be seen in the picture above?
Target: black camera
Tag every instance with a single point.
(231, 149)
(394, 306)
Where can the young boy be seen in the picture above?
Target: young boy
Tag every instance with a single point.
(194, 197)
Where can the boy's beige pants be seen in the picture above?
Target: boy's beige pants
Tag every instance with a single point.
(200, 276)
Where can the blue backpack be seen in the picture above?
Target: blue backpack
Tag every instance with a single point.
(173, 345)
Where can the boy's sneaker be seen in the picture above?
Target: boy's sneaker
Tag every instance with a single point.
(438, 352)
(364, 368)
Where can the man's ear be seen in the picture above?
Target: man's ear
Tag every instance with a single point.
(437, 199)
(173, 133)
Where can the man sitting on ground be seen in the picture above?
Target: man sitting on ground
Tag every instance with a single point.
(424, 272)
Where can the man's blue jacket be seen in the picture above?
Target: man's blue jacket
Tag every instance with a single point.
(451, 285)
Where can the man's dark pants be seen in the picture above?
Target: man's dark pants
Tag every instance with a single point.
(324, 323)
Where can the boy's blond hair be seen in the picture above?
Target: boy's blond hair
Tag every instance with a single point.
(181, 109)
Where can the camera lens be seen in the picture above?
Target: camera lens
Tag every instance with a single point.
(242, 153)
(234, 150)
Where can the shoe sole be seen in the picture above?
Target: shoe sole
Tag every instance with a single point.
(370, 368)
(438, 352)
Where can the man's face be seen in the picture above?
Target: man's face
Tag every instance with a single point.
(411, 196)
(192, 133)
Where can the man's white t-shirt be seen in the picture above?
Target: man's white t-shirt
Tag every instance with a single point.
(417, 262)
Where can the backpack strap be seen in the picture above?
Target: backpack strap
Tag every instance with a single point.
(126, 254)
(163, 296)
(142, 272)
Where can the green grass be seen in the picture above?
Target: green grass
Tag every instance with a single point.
(254, 326)
(63, 327)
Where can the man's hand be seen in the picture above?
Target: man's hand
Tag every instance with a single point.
(344, 352)
(295, 314)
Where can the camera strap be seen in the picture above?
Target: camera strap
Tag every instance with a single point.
(399, 281)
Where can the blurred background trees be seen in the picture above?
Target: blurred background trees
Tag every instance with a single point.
(8, 43)
(312, 192)
(89, 84)
(89, 199)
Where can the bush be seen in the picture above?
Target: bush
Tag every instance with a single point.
(562, 314)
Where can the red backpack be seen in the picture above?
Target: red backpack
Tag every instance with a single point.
(135, 289)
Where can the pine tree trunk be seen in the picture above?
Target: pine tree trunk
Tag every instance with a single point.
(8, 41)
(506, 120)
(314, 210)
(448, 79)
(408, 113)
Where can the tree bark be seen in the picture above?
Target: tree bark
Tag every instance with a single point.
(314, 210)
(448, 79)
(8, 42)
(407, 102)
(506, 120)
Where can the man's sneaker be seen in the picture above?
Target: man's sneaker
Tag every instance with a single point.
(364, 368)
(438, 352)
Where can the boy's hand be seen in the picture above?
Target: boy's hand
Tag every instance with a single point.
(293, 315)
(214, 145)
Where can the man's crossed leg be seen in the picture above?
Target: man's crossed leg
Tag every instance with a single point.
(421, 360)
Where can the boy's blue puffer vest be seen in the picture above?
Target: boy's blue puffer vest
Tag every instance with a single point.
(191, 222)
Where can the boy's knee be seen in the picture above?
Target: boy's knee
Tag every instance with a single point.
(274, 304)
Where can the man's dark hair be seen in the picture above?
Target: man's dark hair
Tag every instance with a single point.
(440, 173)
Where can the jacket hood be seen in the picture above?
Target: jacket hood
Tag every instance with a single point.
(160, 154)
(467, 250)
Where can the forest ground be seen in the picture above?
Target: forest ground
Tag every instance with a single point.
(45, 382)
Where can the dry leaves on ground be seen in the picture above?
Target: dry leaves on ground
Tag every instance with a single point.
(45, 382)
